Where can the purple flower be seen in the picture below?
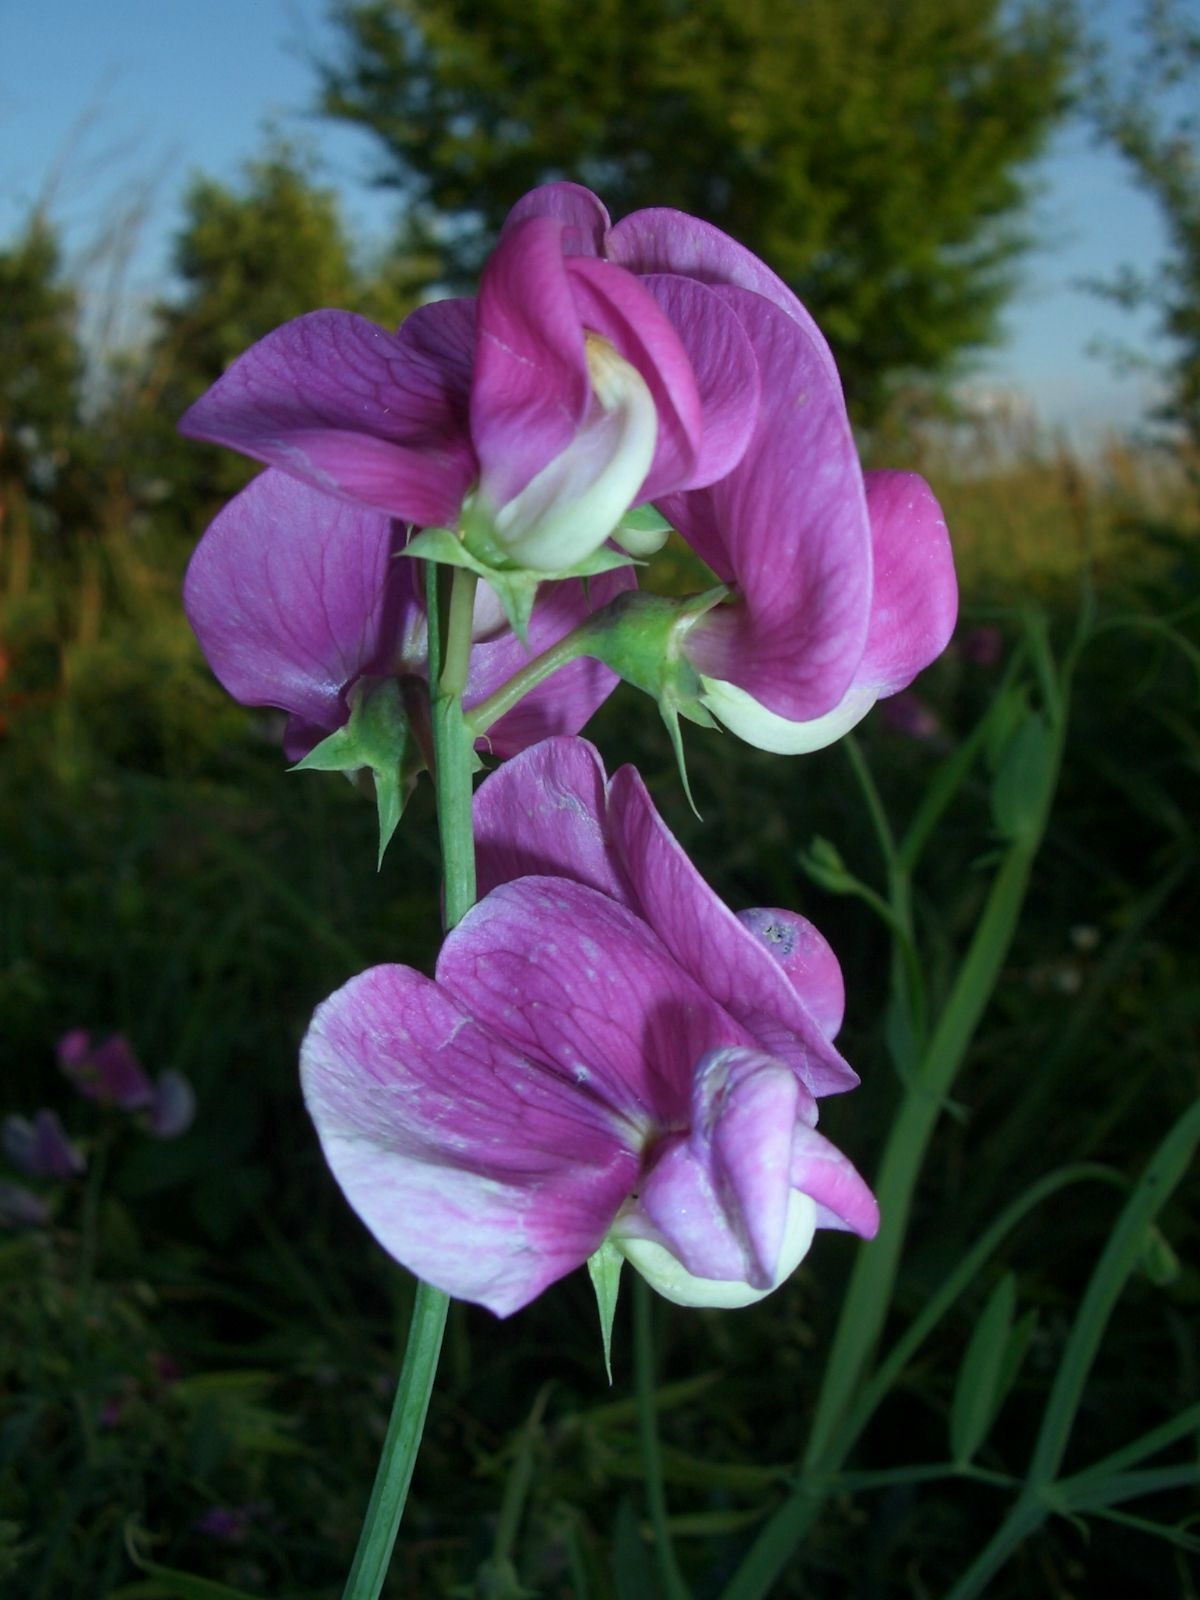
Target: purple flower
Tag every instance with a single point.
(609, 1054)
(40, 1148)
(982, 646)
(107, 1071)
(907, 714)
(542, 411)
(295, 596)
(226, 1524)
(843, 584)
(110, 1073)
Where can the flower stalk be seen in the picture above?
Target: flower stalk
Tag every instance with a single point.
(451, 596)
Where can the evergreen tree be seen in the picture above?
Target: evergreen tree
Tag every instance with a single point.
(871, 150)
(1147, 107)
(41, 367)
(247, 257)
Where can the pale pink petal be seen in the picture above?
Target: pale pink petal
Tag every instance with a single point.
(822, 1172)
(482, 1171)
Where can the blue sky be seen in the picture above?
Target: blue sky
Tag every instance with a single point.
(102, 101)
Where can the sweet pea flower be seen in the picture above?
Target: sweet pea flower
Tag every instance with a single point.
(296, 596)
(842, 583)
(40, 1147)
(534, 416)
(109, 1072)
(105, 1070)
(566, 1079)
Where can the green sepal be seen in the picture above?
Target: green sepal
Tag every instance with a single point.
(604, 1269)
(377, 739)
(640, 638)
(515, 587)
(642, 531)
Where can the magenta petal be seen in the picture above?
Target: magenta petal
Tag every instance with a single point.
(584, 218)
(530, 390)
(294, 594)
(480, 1170)
(711, 944)
(543, 813)
(662, 240)
(679, 1208)
(751, 1104)
(792, 518)
(718, 1198)
(820, 1170)
(914, 605)
(807, 962)
(566, 975)
(613, 303)
(725, 371)
(565, 701)
(356, 411)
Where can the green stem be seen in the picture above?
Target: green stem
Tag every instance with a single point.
(569, 648)
(451, 601)
(656, 1499)
(403, 1439)
(872, 1280)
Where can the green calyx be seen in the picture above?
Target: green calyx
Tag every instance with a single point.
(380, 739)
(640, 637)
(477, 549)
(604, 1269)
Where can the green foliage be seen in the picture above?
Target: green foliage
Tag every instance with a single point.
(42, 447)
(1145, 106)
(160, 872)
(872, 153)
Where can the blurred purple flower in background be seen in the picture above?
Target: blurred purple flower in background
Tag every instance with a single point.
(982, 646)
(907, 714)
(40, 1148)
(107, 1071)
(605, 1052)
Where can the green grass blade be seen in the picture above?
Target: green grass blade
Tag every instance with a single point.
(1159, 1180)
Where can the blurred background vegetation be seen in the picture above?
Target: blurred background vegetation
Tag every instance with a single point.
(212, 1397)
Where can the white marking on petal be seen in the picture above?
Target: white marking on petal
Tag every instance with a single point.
(667, 1274)
(572, 505)
(766, 730)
